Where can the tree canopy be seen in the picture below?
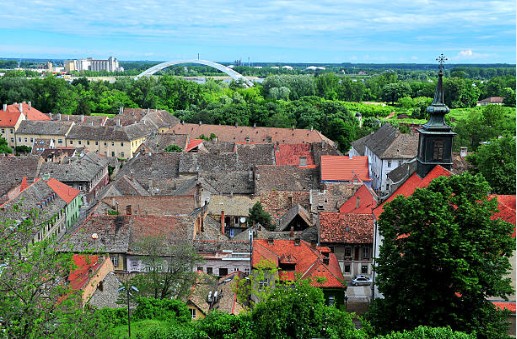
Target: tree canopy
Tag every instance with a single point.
(442, 255)
(495, 160)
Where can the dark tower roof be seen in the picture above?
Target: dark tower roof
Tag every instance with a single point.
(435, 136)
(438, 108)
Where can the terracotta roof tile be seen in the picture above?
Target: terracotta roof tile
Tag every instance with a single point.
(506, 207)
(343, 168)
(65, 192)
(346, 228)
(290, 154)
(362, 202)
(410, 185)
(505, 305)
(252, 134)
(14, 110)
(308, 261)
(193, 144)
(86, 264)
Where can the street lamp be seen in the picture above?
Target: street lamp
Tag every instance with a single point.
(128, 288)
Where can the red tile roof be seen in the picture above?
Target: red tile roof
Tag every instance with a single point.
(193, 144)
(290, 154)
(346, 228)
(344, 168)
(64, 191)
(308, 261)
(9, 117)
(506, 207)
(505, 305)
(362, 202)
(411, 184)
(252, 134)
(86, 264)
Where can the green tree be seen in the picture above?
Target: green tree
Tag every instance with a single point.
(173, 148)
(219, 325)
(35, 298)
(169, 267)
(496, 162)
(258, 215)
(441, 257)
(394, 91)
(4, 147)
(299, 311)
(424, 332)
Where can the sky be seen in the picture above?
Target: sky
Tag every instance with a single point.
(296, 31)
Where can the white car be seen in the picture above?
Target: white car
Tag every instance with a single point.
(361, 280)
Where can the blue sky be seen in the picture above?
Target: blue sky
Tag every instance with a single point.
(308, 31)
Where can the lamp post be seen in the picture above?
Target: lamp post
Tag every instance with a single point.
(128, 288)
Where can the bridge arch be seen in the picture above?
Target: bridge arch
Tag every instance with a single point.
(234, 75)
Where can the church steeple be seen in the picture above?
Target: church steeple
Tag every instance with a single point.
(435, 139)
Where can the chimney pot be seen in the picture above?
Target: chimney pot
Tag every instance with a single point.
(4, 107)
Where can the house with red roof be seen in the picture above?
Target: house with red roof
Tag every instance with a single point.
(345, 169)
(506, 211)
(89, 274)
(298, 259)
(350, 237)
(57, 207)
(12, 115)
(294, 155)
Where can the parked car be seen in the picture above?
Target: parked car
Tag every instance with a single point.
(361, 280)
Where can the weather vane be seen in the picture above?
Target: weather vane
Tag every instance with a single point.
(441, 59)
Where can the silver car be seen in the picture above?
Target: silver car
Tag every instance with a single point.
(361, 280)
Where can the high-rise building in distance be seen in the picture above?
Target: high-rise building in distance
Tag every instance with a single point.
(89, 64)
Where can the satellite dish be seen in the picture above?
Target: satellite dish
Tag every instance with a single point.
(95, 236)
(242, 220)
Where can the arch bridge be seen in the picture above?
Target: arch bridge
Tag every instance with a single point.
(234, 75)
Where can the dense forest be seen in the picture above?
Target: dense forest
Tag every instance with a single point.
(326, 101)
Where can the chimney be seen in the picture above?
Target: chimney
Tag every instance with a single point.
(4, 107)
(30, 104)
(463, 152)
(129, 210)
(118, 122)
(59, 116)
(357, 202)
(20, 107)
(120, 110)
(222, 223)
(82, 118)
(270, 240)
(50, 115)
(200, 123)
(313, 243)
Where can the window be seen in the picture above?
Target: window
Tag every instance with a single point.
(96, 143)
(25, 139)
(79, 142)
(121, 154)
(437, 150)
(121, 144)
(223, 271)
(347, 269)
(105, 144)
(87, 142)
(366, 252)
(348, 252)
(193, 313)
(12, 139)
(303, 161)
(32, 139)
(209, 270)
(332, 300)
(263, 284)
(114, 260)
(112, 154)
(71, 142)
(112, 143)
(389, 163)
(200, 269)
(3, 130)
(59, 141)
(364, 269)
(247, 271)
(12, 131)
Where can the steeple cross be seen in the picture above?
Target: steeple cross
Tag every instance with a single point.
(441, 59)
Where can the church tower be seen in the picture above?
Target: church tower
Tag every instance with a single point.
(435, 136)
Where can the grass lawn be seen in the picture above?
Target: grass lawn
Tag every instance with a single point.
(139, 328)
(103, 115)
